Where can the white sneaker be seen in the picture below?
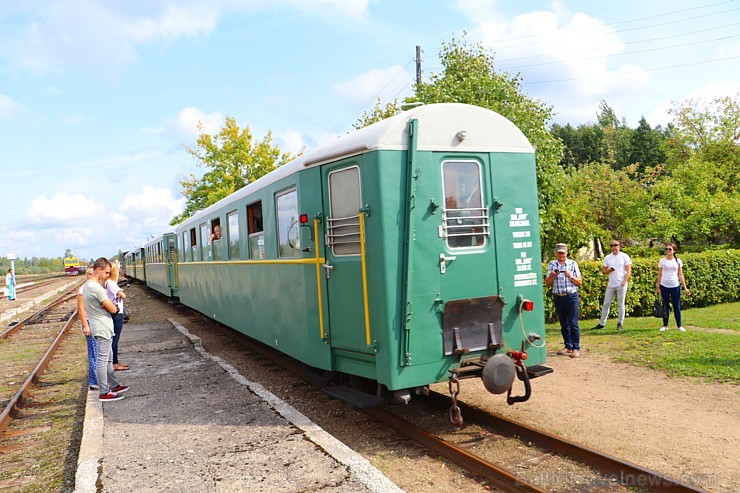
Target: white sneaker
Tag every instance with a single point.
(682, 329)
(662, 329)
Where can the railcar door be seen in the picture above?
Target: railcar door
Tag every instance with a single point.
(452, 259)
(342, 185)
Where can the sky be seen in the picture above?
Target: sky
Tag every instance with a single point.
(99, 99)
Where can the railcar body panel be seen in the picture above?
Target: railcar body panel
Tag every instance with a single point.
(394, 253)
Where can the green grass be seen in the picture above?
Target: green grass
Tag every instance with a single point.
(709, 350)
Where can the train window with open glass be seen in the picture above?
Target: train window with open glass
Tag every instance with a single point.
(286, 205)
(465, 222)
(255, 231)
(214, 240)
(232, 234)
(159, 253)
(193, 245)
(345, 200)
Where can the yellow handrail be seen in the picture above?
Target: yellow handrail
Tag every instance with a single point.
(364, 279)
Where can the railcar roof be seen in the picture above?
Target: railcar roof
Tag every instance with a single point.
(440, 128)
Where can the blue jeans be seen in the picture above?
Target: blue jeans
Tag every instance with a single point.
(117, 328)
(567, 308)
(106, 375)
(672, 295)
(92, 360)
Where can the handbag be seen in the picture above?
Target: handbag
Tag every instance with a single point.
(659, 310)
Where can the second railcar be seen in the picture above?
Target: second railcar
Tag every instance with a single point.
(406, 253)
(160, 266)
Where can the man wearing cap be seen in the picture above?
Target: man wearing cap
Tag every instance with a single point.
(564, 276)
(618, 266)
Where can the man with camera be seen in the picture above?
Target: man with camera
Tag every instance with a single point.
(564, 276)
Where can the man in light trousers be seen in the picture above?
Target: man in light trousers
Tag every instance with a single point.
(618, 266)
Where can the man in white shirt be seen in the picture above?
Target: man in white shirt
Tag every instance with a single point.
(618, 266)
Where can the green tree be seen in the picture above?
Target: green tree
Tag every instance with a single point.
(646, 148)
(583, 144)
(469, 76)
(232, 158)
(698, 197)
(378, 113)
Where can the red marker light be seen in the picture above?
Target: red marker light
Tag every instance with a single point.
(528, 305)
(303, 218)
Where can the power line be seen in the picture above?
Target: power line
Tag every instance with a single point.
(620, 54)
(642, 41)
(631, 71)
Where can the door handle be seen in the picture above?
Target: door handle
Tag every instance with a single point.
(327, 269)
(443, 262)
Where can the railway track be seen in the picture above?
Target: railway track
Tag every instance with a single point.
(38, 394)
(586, 470)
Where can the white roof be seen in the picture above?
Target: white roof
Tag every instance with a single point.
(441, 127)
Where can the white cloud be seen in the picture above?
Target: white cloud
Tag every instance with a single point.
(63, 210)
(291, 141)
(387, 83)
(9, 109)
(187, 125)
(702, 95)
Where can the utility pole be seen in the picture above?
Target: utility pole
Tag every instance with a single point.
(418, 65)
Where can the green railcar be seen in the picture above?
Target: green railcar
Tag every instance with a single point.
(160, 266)
(406, 253)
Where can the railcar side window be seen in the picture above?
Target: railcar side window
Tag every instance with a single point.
(465, 218)
(193, 245)
(185, 248)
(215, 238)
(288, 224)
(205, 253)
(255, 230)
(232, 234)
(345, 200)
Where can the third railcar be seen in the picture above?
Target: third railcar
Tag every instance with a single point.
(406, 252)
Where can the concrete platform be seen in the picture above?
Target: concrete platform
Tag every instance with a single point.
(190, 422)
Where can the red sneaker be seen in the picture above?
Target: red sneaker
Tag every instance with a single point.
(119, 389)
(109, 397)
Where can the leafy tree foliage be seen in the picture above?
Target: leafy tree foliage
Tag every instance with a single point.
(698, 197)
(233, 158)
(378, 113)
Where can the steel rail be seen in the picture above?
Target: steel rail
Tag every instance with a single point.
(15, 328)
(11, 409)
(498, 477)
(620, 470)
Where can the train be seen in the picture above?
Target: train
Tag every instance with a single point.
(73, 266)
(401, 255)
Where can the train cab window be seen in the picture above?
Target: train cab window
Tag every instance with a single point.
(286, 204)
(345, 201)
(256, 231)
(193, 245)
(215, 239)
(232, 234)
(205, 252)
(464, 217)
